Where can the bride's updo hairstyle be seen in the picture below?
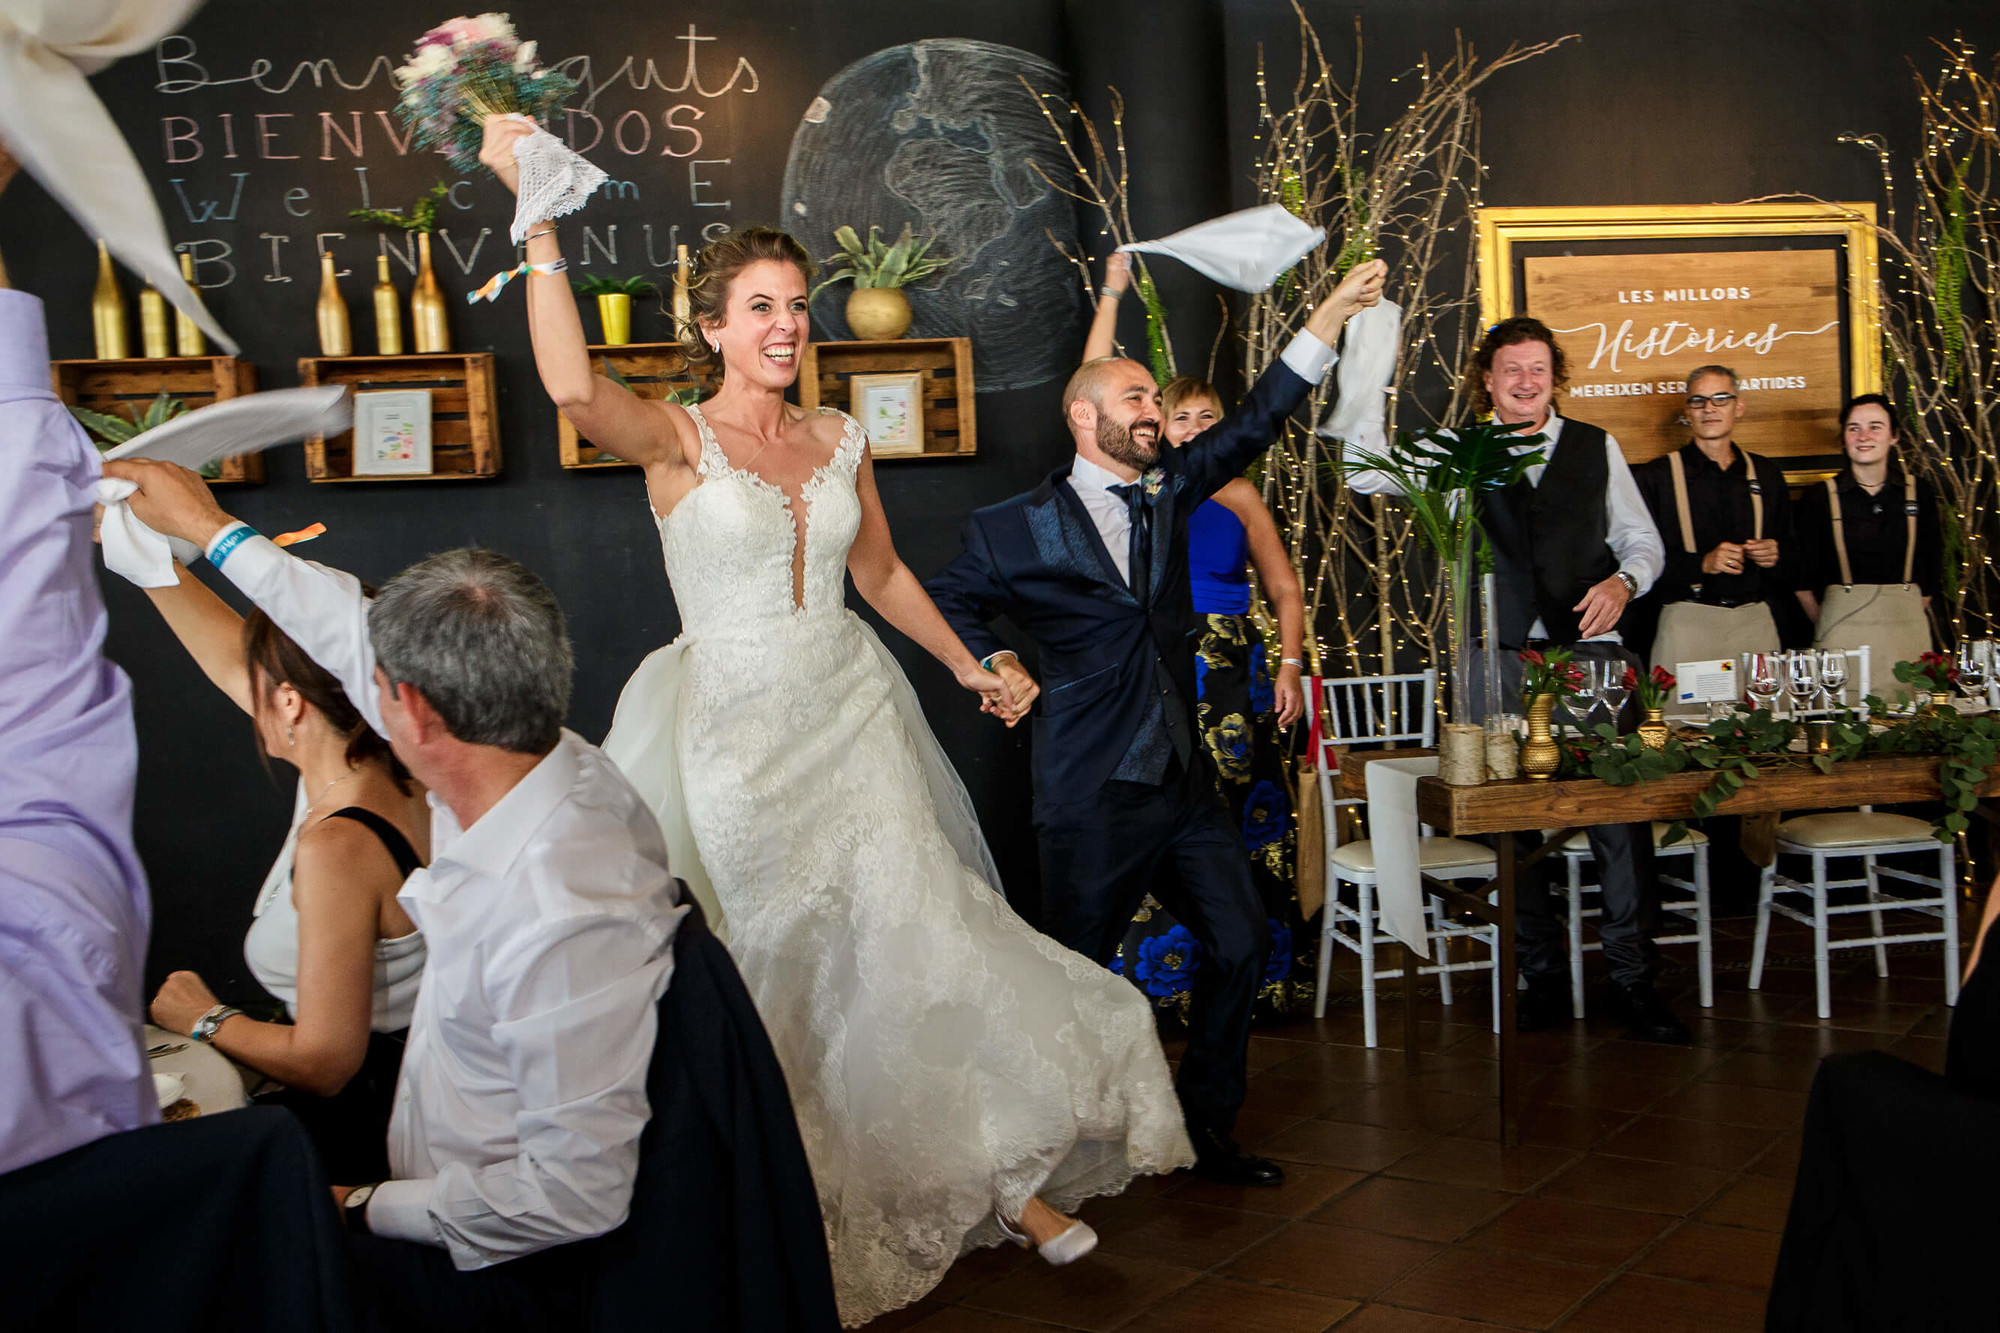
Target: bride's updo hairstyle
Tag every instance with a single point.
(716, 267)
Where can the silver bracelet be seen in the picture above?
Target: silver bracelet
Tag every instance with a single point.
(1292, 661)
(1106, 294)
(549, 231)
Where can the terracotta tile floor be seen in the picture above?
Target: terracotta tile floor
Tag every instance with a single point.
(1648, 1192)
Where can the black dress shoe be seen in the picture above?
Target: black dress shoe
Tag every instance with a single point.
(1640, 1008)
(1220, 1158)
(1544, 1004)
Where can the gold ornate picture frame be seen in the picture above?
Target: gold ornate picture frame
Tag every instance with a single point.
(1802, 325)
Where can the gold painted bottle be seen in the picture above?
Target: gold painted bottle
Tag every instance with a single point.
(388, 312)
(428, 326)
(107, 311)
(153, 322)
(336, 334)
(188, 337)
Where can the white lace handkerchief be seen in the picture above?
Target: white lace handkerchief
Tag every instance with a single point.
(554, 180)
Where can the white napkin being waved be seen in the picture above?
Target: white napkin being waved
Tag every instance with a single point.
(554, 179)
(54, 124)
(1367, 365)
(226, 429)
(1246, 250)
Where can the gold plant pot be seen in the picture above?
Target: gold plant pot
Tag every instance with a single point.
(878, 313)
(1653, 731)
(1940, 703)
(614, 312)
(1540, 755)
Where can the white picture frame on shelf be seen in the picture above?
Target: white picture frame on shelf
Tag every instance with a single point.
(392, 433)
(890, 409)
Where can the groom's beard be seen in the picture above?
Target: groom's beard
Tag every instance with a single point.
(1117, 441)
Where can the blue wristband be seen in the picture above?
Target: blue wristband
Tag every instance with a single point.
(236, 536)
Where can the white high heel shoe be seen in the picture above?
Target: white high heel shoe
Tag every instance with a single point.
(1077, 1240)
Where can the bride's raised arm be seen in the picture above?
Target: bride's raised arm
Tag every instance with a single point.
(606, 413)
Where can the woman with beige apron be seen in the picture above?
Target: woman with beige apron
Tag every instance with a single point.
(1705, 497)
(1872, 553)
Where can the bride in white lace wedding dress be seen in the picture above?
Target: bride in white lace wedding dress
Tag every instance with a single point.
(949, 1065)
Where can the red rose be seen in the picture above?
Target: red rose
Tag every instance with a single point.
(1631, 681)
(1663, 678)
(1531, 657)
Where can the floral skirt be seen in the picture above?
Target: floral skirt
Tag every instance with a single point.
(1237, 715)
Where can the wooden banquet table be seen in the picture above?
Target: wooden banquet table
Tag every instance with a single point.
(1499, 810)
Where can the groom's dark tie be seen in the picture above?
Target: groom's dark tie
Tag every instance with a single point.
(1139, 558)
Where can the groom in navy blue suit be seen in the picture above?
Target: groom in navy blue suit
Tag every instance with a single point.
(1092, 564)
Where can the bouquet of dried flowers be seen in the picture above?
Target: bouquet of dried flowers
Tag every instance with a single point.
(465, 70)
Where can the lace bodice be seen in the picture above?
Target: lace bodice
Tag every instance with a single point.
(732, 544)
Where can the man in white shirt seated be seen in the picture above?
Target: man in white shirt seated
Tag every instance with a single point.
(548, 909)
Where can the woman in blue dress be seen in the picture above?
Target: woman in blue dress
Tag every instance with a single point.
(1243, 705)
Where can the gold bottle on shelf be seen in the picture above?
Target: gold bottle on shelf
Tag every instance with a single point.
(153, 322)
(428, 326)
(388, 312)
(188, 337)
(107, 311)
(336, 334)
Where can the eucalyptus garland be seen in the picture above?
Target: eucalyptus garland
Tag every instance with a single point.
(1737, 748)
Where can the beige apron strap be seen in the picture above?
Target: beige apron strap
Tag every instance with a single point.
(1681, 500)
(1910, 524)
(1839, 535)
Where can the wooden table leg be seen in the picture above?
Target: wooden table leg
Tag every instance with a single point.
(1411, 1054)
(1510, 1069)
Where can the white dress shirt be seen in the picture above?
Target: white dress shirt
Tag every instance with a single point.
(550, 925)
(1307, 356)
(1628, 530)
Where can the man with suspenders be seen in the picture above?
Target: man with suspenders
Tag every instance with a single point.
(1726, 517)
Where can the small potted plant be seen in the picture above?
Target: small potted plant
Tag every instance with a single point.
(1652, 691)
(112, 431)
(614, 303)
(877, 308)
(1546, 679)
(1935, 675)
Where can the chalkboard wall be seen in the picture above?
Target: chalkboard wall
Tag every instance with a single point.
(261, 126)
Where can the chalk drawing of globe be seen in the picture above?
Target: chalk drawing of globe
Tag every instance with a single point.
(942, 135)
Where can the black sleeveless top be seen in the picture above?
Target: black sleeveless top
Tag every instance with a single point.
(392, 837)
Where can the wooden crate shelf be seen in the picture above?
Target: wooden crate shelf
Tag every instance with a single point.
(111, 387)
(950, 429)
(465, 433)
(652, 370)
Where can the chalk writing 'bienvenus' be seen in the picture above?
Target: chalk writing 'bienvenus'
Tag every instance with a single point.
(180, 72)
(1675, 338)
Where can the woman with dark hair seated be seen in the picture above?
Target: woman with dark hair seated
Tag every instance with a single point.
(329, 938)
(1886, 1229)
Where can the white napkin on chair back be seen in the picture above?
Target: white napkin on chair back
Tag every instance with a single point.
(1394, 834)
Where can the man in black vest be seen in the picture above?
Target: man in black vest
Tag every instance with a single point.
(1573, 544)
(1092, 565)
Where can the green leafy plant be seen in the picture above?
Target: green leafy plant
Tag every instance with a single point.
(1932, 672)
(1552, 672)
(1442, 474)
(607, 285)
(422, 215)
(877, 265)
(111, 430)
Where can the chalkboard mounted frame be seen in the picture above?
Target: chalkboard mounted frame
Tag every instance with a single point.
(113, 387)
(950, 427)
(650, 370)
(465, 437)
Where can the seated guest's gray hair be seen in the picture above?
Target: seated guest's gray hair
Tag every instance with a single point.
(483, 640)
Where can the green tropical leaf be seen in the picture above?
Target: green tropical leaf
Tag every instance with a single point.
(109, 430)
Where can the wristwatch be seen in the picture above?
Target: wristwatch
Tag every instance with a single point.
(354, 1208)
(1631, 584)
(205, 1026)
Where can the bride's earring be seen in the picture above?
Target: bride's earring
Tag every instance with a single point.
(291, 737)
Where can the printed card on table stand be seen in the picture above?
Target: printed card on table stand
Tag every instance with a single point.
(890, 409)
(1702, 683)
(392, 433)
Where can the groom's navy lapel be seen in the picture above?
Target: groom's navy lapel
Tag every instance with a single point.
(1065, 537)
(1164, 506)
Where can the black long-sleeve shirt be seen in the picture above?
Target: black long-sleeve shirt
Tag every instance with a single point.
(1876, 530)
(1719, 505)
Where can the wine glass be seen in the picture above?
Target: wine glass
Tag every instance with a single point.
(1761, 678)
(1971, 669)
(1833, 676)
(1802, 680)
(1613, 690)
(1584, 702)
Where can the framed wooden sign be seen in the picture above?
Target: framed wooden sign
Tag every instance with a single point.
(1785, 295)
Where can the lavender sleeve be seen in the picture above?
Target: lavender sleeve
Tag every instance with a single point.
(74, 913)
